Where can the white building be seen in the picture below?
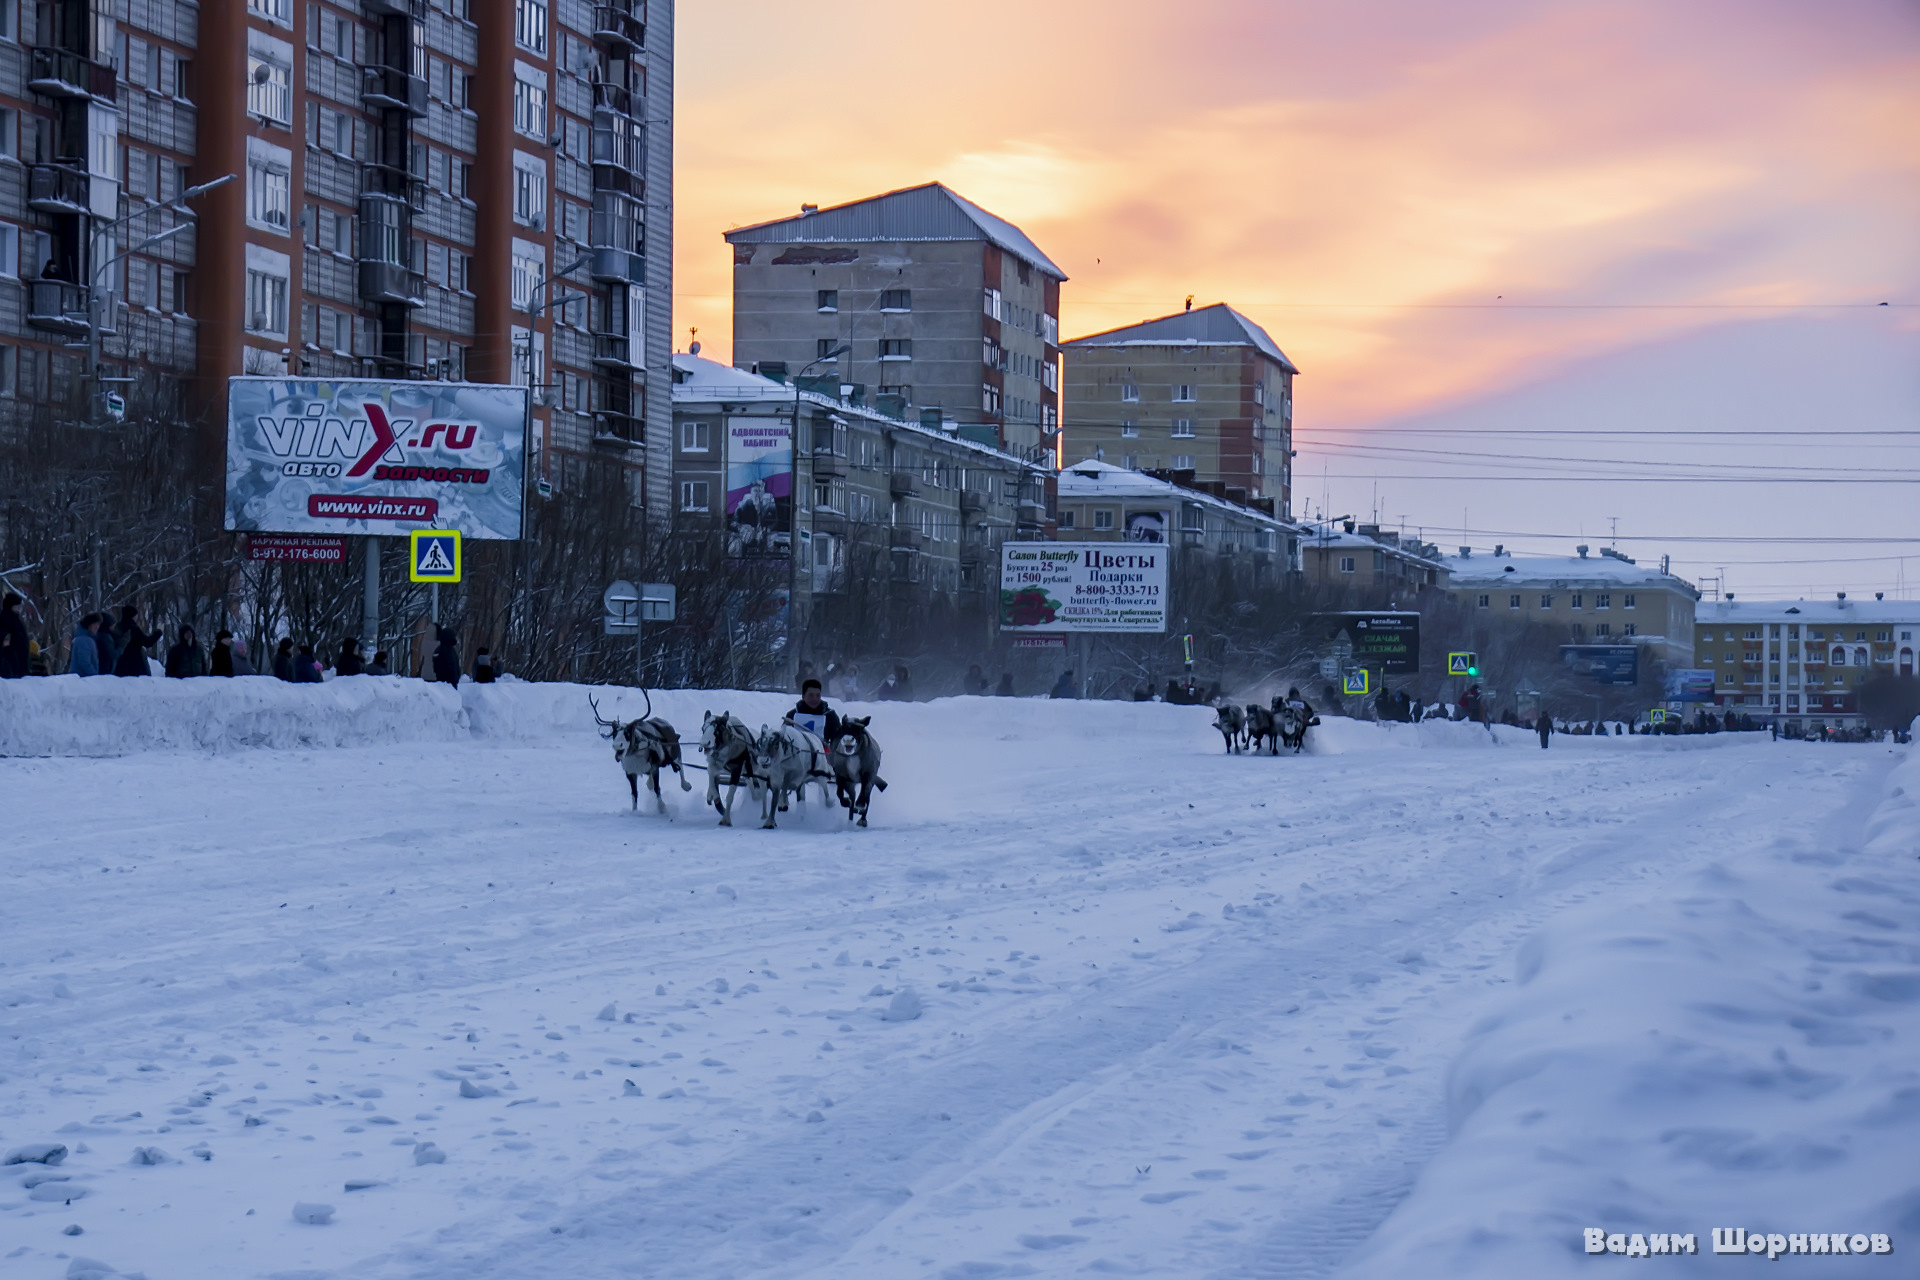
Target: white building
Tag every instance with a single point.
(1801, 662)
(1099, 502)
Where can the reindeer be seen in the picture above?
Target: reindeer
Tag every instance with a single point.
(1260, 726)
(1292, 718)
(728, 745)
(856, 766)
(644, 745)
(1231, 721)
(786, 760)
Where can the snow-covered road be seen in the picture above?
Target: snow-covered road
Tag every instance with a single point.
(1183, 1014)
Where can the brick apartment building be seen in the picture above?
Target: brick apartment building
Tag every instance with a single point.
(408, 173)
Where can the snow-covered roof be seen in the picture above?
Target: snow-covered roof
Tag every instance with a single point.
(1492, 571)
(926, 212)
(1831, 612)
(1216, 326)
(1323, 539)
(1092, 479)
(698, 380)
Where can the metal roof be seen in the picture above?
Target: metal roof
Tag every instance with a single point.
(929, 212)
(1216, 326)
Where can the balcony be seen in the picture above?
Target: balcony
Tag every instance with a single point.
(829, 464)
(614, 98)
(616, 28)
(59, 188)
(402, 8)
(58, 306)
(393, 89)
(973, 500)
(389, 282)
(62, 73)
(618, 430)
(904, 538)
(617, 264)
(615, 351)
(386, 180)
(904, 484)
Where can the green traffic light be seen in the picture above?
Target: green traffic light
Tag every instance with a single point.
(1473, 671)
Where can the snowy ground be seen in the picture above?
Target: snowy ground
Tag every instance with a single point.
(1425, 1004)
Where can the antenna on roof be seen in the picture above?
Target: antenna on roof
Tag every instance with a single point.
(1189, 302)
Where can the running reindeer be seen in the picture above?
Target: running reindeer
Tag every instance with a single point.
(728, 745)
(646, 745)
(1262, 727)
(785, 760)
(1231, 721)
(856, 766)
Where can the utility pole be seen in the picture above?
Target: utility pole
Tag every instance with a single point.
(370, 611)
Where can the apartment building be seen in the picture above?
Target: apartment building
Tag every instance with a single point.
(1603, 599)
(888, 511)
(1206, 391)
(1370, 566)
(1101, 502)
(408, 177)
(1801, 662)
(948, 313)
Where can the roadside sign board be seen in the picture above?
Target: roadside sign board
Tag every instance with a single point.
(295, 549)
(1459, 664)
(435, 555)
(1355, 685)
(1329, 668)
(658, 601)
(1688, 685)
(622, 604)
(1083, 586)
(1388, 641)
(1614, 664)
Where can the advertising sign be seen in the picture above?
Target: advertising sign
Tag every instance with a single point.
(1604, 663)
(297, 550)
(357, 456)
(1083, 586)
(1387, 642)
(1689, 685)
(1149, 526)
(759, 487)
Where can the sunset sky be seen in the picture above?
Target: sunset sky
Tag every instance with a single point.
(1490, 214)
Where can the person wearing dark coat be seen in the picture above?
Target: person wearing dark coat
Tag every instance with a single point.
(103, 641)
(1544, 727)
(283, 660)
(85, 660)
(483, 665)
(379, 667)
(220, 661)
(349, 663)
(1006, 685)
(446, 657)
(133, 644)
(15, 648)
(306, 666)
(814, 715)
(184, 659)
(976, 681)
(1064, 687)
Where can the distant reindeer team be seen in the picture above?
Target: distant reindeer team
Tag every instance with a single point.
(1282, 724)
(775, 764)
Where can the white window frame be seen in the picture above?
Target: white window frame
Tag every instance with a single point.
(529, 101)
(529, 190)
(1182, 462)
(278, 12)
(696, 437)
(531, 20)
(1103, 522)
(695, 495)
(269, 187)
(529, 268)
(1183, 393)
(1183, 429)
(9, 251)
(271, 99)
(1349, 564)
(1129, 393)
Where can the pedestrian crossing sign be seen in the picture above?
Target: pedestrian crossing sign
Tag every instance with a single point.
(436, 555)
(1460, 664)
(1356, 684)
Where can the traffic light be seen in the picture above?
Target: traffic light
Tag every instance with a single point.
(1473, 665)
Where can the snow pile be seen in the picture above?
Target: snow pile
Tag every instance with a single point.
(1738, 1052)
(103, 716)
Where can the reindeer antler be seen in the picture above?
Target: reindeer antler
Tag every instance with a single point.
(611, 726)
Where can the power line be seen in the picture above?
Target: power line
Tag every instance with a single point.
(1577, 431)
(1396, 451)
(1684, 537)
(1666, 479)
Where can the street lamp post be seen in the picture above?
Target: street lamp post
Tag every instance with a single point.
(534, 307)
(793, 503)
(97, 269)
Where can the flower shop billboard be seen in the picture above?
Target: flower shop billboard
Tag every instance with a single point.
(1083, 586)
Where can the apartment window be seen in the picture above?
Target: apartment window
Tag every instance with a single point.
(529, 268)
(896, 348)
(1632, 629)
(529, 190)
(1182, 428)
(896, 300)
(1183, 394)
(1513, 602)
(1348, 564)
(827, 300)
(275, 11)
(694, 437)
(267, 304)
(1626, 602)
(1183, 462)
(1103, 522)
(1129, 429)
(991, 303)
(269, 78)
(269, 187)
(1574, 600)
(1066, 521)
(530, 24)
(1602, 629)
(1129, 393)
(1131, 462)
(1546, 602)
(1603, 600)
(1483, 601)
(693, 494)
(9, 129)
(530, 108)
(9, 250)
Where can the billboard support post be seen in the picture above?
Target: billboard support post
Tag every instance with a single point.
(370, 610)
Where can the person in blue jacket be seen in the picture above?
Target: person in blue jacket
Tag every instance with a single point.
(86, 650)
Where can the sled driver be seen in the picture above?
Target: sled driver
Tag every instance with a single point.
(813, 714)
(1302, 708)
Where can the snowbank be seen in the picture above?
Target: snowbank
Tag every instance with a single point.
(1738, 1053)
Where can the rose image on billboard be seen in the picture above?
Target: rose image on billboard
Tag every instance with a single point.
(1027, 607)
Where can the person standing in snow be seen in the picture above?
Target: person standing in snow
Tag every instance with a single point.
(446, 657)
(108, 651)
(85, 660)
(1006, 685)
(1543, 725)
(306, 667)
(184, 659)
(242, 664)
(1064, 686)
(379, 667)
(220, 661)
(283, 660)
(133, 644)
(976, 681)
(1472, 706)
(349, 663)
(15, 647)
(483, 665)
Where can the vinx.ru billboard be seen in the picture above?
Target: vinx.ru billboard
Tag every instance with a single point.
(1083, 586)
(351, 455)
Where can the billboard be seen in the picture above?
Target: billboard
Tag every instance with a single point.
(1387, 642)
(1689, 685)
(1083, 586)
(1603, 663)
(759, 487)
(1149, 526)
(358, 456)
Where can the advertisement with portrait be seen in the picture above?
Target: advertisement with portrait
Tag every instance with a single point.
(1149, 526)
(759, 487)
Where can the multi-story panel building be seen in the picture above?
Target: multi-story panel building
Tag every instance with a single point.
(1802, 662)
(1375, 567)
(1603, 599)
(889, 515)
(1101, 502)
(949, 314)
(1205, 391)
